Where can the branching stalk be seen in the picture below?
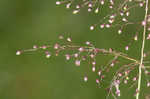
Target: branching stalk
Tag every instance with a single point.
(142, 51)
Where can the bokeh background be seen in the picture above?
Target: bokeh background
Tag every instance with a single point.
(24, 23)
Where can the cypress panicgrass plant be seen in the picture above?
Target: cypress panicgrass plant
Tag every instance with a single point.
(119, 17)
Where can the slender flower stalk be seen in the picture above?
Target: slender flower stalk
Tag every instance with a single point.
(142, 51)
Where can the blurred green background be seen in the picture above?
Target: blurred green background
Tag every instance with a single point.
(24, 23)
